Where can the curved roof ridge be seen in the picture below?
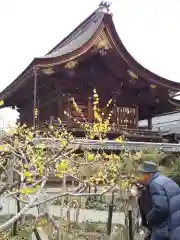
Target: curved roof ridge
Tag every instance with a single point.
(78, 38)
(92, 17)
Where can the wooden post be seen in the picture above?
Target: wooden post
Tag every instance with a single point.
(95, 191)
(150, 123)
(130, 225)
(60, 107)
(110, 215)
(89, 191)
(35, 101)
(69, 108)
(137, 116)
(38, 117)
(90, 110)
(36, 233)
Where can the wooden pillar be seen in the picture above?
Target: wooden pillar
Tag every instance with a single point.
(150, 123)
(137, 116)
(35, 100)
(90, 110)
(69, 107)
(60, 107)
(38, 117)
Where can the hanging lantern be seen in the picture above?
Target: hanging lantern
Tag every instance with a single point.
(48, 71)
(1, 102)
(71, 64)
(153, 86)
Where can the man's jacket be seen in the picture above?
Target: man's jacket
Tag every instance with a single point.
(164, 217)
(145, 206)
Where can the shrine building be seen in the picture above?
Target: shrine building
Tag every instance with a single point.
(92, 57)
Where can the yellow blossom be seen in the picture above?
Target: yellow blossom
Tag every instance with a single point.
(119, 139)
(90, 157)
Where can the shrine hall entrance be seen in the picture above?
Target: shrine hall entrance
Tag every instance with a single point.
(127, 117)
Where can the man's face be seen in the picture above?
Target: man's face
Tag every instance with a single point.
(144, 177)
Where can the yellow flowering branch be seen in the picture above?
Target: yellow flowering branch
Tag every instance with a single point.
(78, 110)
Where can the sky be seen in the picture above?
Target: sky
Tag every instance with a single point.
(149, 30)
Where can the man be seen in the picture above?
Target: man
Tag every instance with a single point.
(163, 202)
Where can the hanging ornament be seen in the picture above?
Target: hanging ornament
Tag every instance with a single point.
(132, 75)
(48, 71)
(71, 64)
(153, 86)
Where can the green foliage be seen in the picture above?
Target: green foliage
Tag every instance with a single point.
(172, 169)
(153, 156)
(73, 203)
(102, 205)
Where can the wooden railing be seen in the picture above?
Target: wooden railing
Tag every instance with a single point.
(129, 134)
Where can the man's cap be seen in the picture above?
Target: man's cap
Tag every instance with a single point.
(148, 167)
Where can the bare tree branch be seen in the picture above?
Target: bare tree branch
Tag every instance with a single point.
(7, 187)
(73, 195)
(24, 210)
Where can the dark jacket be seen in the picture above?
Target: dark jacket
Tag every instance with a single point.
(145, 206)
(164, 217)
